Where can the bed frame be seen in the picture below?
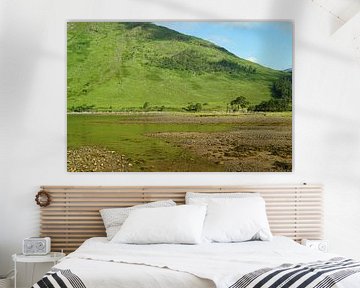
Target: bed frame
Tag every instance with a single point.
(73, 215)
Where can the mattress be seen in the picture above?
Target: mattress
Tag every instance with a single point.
(99, 263)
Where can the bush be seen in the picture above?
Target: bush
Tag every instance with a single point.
(193, 107)
(273, 105)
(82, 108)
(146, 106)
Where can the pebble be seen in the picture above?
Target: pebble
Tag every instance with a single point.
(91, 159)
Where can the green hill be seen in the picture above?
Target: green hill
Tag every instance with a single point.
(121, 66)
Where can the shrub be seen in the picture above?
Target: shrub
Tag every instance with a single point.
(146, 106)
(82, 108)
(193, 107)
(273, 105)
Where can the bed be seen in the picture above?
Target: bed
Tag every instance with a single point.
(99, 263)
(295, 211)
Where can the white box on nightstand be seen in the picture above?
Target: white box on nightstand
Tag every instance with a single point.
(320, 245)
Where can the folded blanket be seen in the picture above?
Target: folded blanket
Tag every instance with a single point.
(319, 274)
(59, 278)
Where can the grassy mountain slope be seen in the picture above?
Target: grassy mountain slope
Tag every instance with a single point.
(120, 66)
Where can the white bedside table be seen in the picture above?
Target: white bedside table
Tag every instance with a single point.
(53, 257)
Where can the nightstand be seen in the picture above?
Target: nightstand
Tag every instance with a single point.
(53, 257)
(320, 245)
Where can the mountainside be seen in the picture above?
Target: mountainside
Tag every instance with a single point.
(129, 66)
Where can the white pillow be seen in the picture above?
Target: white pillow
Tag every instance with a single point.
(113, 218)
(204, 198)
(236, 220)
(180, 224)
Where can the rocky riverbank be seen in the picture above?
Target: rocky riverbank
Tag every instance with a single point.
(96, 159)
(253, 150)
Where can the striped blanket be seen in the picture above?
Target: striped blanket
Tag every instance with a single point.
(320, 274)
(57, 278)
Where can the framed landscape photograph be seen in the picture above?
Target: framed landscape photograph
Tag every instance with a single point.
(179, 96)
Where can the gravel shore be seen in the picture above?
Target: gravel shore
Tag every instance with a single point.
(96, 159)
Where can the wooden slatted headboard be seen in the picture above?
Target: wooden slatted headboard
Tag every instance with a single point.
(73, 215)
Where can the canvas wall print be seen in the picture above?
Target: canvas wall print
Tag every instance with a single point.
(179, 96)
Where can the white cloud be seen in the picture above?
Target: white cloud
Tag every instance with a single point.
(252, 59)
(219, 39)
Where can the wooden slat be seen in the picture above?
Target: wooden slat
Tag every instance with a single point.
(73, 216)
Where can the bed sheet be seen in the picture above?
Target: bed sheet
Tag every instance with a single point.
(100, 263)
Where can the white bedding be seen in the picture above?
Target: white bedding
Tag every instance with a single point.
(102, 264)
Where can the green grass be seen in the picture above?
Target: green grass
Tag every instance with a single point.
(119, 66)
(124, 134)
(135, 136)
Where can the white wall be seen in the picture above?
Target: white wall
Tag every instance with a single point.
(33, 101)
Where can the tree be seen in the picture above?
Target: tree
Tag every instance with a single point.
(146, 106)
(239, 102)
(193, 107)
(281, 93)
(273, 105)
(198, 107)
(282, 88)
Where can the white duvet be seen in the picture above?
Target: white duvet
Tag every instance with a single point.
(100, 263)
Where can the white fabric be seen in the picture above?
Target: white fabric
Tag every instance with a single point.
(180, 225)
(236, 220)
(204, 198)
(113, 218)
(107, 274)
(222, 263)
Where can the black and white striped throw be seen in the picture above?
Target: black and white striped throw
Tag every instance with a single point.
(320, 274)
(58, 278)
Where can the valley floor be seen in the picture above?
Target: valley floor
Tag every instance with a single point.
(175, 142)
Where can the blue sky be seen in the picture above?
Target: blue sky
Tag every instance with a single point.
(268, 43)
